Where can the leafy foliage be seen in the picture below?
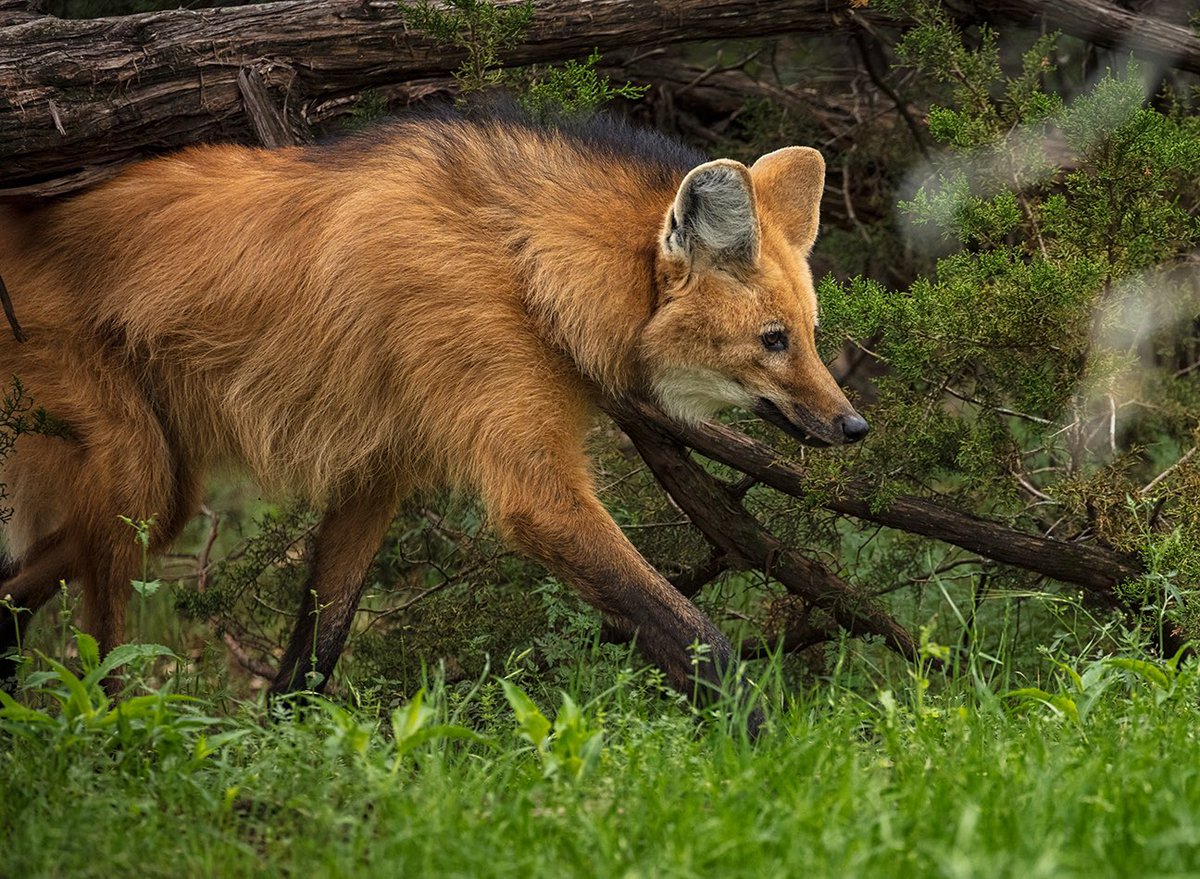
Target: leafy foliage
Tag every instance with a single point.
(574, 88)
(156, 731)
(19, 417)
(1039, 372)
(482, 30)
(478, 28)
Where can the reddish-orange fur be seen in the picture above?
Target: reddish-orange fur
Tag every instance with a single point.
(444, 305)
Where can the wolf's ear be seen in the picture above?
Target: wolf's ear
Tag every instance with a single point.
(713, 220)
(789, 184)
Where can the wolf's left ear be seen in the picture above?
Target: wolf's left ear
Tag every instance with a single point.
(714, 220)
(789, 184)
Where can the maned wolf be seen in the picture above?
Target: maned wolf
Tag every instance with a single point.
(442, 302)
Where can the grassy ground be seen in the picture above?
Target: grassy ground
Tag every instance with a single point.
(1096, 775)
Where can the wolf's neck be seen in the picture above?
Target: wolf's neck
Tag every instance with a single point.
(589, 276)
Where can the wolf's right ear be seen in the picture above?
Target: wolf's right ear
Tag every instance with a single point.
(714, 220)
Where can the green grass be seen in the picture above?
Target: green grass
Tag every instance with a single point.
(1097, 775)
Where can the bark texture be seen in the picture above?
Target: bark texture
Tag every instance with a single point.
(76, 96)
(1103, 23)
(80, 98)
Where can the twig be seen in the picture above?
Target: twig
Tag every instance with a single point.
(850, 212)
(793, 640)
(10, 313)
(977, 599)
(869, 62)
(244, 659)
(1112, 423)
(1036, 419)
(691, 581)
(636, 471)
(232, 644)
(1032, 489)
(202, 560)
(425, 593)
(718, 67)
(1149, 486)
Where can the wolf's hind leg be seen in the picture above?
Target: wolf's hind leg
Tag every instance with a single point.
(71, 493)
(347, 539)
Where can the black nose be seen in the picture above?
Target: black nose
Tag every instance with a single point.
(854, 427)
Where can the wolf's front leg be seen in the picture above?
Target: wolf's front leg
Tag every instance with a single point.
(554, 516)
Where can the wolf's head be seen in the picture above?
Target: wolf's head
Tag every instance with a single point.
(737, 313)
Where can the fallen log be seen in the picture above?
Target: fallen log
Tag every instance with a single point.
(79, 98)
(1100, 22)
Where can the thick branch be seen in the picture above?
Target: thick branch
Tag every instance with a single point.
(1096, 569)
(717, 512)
(690, 582)
(799, 636)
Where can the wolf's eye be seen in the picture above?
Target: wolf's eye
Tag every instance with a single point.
(775, 340)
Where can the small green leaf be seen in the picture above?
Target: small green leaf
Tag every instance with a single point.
(79, 702)
(407, 721)
(37, 679)
(11, 709)
(1062, 705)
(533, 724)
(313, 679)
(1148, 671)
(1030, 694)
(146, 588)
(121, 655)
(89, 650)
(1076, 680)
(1173, 662)
(443, 731)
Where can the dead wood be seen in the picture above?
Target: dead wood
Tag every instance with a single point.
(1099, 21)
(80, 98)
(715, 508)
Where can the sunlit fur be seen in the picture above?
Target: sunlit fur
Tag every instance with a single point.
(439, 303)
